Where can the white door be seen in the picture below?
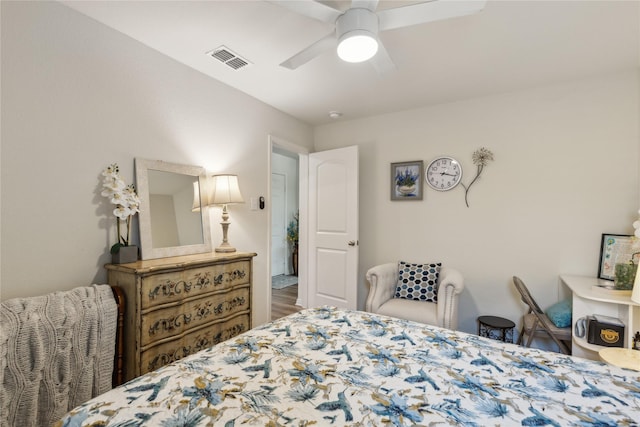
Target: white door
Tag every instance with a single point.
(333, 228)
(278, 221)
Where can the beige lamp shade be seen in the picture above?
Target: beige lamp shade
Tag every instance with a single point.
(196, 197)
(635, 295)
(225, 190)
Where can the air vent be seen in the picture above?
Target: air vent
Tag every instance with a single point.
(228, 57)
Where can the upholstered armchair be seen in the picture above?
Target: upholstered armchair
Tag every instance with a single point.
(383, 280)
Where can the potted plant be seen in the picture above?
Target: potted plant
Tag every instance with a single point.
(127, 203)
(292, 238)
(625, 274)
(406, 181)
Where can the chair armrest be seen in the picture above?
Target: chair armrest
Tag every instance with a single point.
(382, 280)
(450, 285)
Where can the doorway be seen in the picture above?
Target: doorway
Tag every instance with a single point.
(333, 175)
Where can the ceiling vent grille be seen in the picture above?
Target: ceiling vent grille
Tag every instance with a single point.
(228, 57)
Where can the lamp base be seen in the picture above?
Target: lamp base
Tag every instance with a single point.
(225, 249)
(225, 246)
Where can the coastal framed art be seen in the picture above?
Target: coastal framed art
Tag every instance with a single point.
(614, 248)
(406, 180)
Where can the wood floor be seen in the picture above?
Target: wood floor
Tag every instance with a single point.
(283, 301)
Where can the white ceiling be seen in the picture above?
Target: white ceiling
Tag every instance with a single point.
(510, 45)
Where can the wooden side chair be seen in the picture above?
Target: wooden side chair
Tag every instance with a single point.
(537, 322)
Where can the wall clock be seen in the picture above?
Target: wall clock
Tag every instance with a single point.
(443, 173)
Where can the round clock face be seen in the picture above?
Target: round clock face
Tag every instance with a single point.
(443, 174)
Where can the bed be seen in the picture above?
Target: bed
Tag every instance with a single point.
(328, 366)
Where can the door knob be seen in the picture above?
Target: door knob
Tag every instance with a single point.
(351, 243)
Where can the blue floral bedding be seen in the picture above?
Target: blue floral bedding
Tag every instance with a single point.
(328, 366)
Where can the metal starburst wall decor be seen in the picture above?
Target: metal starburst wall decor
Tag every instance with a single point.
(480, 158)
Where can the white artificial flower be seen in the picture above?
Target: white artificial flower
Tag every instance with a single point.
(124, 197)
(112, 186)
(134, 208)
(122, 212)
(118, 199)
(111, 170)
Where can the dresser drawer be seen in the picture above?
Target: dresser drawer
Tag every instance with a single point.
(175, 286)
(157, 356)
(166, 322)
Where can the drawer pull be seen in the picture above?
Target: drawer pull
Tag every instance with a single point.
(228, 277)
(171, 288)
(203, 311)
(230, 305)
(169, 324)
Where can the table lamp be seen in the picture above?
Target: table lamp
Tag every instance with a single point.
(635, 294)
(196, 197)
(224, 191)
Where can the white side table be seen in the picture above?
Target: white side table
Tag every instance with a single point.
(621, 357)
(587, 301)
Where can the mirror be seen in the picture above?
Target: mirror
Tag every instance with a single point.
(172, 222)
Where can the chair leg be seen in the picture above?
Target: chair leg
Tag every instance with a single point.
(561, 345)
(534, 328)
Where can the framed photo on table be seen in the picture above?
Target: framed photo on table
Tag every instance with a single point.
(615, 248)
(407, 180)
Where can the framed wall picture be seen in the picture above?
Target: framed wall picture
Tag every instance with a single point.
(406, 180)
(615, 248)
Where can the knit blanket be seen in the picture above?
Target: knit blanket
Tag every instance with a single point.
(56, 352)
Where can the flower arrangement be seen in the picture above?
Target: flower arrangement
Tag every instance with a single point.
(636, 226)
(406, 178)
(293, 229)
(625, 273)
(480, 158)
(126, 200)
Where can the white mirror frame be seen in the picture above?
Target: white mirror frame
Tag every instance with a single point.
(142, 166)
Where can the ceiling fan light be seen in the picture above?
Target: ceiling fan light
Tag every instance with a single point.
(357, 46)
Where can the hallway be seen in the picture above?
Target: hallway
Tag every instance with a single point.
(283, 301)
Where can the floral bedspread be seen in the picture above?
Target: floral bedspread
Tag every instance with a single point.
(328, 366)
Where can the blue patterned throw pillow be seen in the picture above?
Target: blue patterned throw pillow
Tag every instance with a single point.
(418, 281)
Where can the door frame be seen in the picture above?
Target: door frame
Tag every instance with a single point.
(303, 202)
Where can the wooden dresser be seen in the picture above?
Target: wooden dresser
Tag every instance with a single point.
(180, 305)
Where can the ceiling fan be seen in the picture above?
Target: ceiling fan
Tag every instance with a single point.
(357, 28)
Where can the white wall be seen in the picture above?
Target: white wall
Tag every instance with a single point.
(77, 96)
(565, 171)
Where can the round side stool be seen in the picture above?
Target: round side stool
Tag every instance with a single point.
(622, 357)
(497, 328)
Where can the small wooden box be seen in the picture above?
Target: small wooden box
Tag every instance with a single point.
(606, 331)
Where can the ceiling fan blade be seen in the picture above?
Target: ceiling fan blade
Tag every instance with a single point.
(427, 12)
(382, 62)
(311, 9)
(310, 52)
(365, 4)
